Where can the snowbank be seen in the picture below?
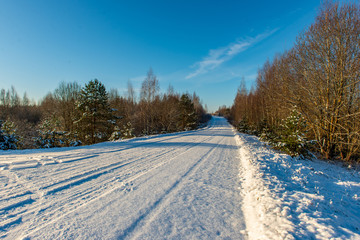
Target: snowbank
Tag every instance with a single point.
(286, 198)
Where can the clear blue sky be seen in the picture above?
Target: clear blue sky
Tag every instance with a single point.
(202, 46)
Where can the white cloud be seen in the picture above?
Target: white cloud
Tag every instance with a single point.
(218, 56)
(238, 47)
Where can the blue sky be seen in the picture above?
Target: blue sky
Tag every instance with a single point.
(201, 46)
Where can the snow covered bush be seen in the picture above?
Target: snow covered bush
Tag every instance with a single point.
(8, 137)
(127, 131)
(48, 137)
(116, 135)
(72, 139)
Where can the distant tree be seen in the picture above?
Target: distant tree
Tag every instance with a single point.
(15, 99)
(224, 112)
(3, 97)
(9, 98)
(149, 87)
(131, 96)
(25, 101)
(169, 111)
(96, 120)
(66, 96)
(148, 94)
(48, 106)
(240, 102)
(201, 114)
(187, 119)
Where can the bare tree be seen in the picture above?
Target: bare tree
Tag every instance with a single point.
(327, 65)
(150, 87)
(148, 94)
(66, 95)
(131, 95)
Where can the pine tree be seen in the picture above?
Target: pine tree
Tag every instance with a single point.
(188, 118)
(292, 138)
(96, 121)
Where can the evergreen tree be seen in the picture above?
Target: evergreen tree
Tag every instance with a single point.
(188, 117)
(292, 138)
(96, 121)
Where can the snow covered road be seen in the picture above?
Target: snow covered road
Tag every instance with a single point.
(175, 186)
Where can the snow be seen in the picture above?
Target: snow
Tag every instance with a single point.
(211, 183)
(182, 185)
(291, 198)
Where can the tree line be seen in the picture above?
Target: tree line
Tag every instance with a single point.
(73, 115)
(308, 98)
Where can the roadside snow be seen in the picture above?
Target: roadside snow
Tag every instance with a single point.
(287, 198)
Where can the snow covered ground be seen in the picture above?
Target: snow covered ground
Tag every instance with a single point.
(175, 186)
(286, 198)
(212, 183)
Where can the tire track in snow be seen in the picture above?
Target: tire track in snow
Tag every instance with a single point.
(63, 200)
(91, 174)
(80, 194)
(95, 173)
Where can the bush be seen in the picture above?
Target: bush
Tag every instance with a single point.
(290, 137)
(8, 137)
(243, 126)
(48, 137)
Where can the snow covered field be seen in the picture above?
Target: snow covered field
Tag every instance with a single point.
(211, 183)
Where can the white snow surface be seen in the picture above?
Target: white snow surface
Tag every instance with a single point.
(175, 186)
(290, 198)
(211, 183)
